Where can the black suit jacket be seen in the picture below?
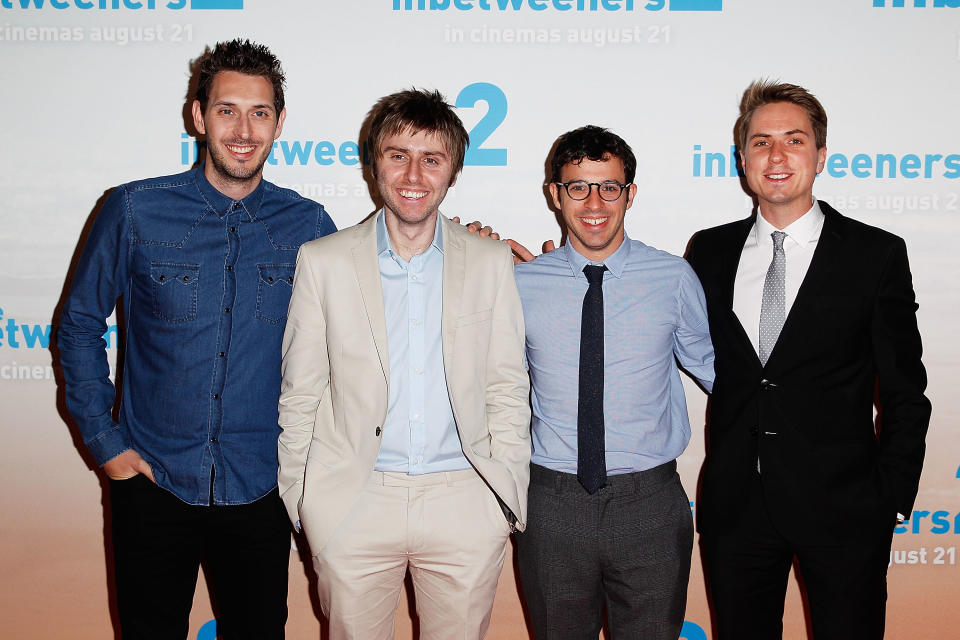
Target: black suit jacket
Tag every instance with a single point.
(829, 472)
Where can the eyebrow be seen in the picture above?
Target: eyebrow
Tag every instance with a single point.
(228, 103)
(442, 154)
(792, 132)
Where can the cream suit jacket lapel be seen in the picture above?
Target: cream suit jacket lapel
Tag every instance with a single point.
(454, 272)
(367, 269)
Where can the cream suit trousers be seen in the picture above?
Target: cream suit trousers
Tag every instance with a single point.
(446, 528)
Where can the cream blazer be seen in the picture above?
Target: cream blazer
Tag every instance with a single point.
(333, 401)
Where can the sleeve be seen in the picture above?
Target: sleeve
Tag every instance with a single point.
(305, 377)
(904, 409)
(691, 339)
(101, 276)
(508, 386)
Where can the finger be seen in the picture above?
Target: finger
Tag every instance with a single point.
(455, 219)
(495, 235)
(520, 251)
(549, 246)
(126, 474)
(486, 232)
(145, 469)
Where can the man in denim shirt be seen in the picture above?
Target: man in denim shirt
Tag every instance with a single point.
(204, 262)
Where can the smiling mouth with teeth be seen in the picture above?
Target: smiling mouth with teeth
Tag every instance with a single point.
(593, 221)
(413, 195)
(777, 176)
(241, 149)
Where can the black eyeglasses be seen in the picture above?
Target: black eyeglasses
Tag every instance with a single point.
(609, 190)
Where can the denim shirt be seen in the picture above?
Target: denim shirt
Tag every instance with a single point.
(205, 282)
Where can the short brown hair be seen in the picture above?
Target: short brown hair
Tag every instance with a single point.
(763, 92)
(241, 56)
(417, 110)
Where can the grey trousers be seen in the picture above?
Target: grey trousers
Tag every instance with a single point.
(628, 547)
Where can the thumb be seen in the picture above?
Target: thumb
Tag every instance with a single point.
(144, 468)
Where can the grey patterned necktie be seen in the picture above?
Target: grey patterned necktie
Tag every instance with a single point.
(773, 308)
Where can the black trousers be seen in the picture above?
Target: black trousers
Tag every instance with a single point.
(159, 543)
(627, 546)
(747, 567)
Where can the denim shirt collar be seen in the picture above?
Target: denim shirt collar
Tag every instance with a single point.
(222, 204)
(615, 262)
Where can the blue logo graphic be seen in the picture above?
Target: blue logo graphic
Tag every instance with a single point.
(558, 5)
(911, 166)
(122, 4)
(692, 631)
(939, 522)
(951, 4)
(216, 4)
(208, 631)
(696, 5)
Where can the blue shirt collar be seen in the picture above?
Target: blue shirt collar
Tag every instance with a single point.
(221, 204)
(615, 262)
(383, 238)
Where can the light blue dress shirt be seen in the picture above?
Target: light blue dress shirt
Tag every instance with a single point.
(654, 316)
(420, 435)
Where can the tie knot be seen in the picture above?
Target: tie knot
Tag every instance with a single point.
(594, 273)
(778, 237)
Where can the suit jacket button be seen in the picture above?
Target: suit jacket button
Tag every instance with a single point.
(378, 432)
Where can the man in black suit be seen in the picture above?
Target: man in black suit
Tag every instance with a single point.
(813, 321)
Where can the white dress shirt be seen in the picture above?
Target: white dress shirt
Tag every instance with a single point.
(798, 247)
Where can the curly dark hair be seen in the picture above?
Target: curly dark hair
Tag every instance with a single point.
(241, 56)
(593, 143)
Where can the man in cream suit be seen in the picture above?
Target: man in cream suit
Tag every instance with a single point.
(404, 402)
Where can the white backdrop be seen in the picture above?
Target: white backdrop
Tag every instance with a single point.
(94, 94)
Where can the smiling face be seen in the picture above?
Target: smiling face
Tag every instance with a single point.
(781, 161)
(241, 124)
(595, 226)
(414, 171)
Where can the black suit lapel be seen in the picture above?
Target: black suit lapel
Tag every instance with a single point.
(729, 264)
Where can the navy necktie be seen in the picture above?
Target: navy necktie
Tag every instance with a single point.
(591, 461)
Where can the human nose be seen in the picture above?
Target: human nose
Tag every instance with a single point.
(776, 152)
(412, 174)
(593, 201)
(244, 128)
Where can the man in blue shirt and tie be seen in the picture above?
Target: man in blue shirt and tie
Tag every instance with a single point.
(607, 319)
(204, 263)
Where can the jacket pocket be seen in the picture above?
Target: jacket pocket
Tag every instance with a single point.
(474, 318)
(175, 287)
(274, 285)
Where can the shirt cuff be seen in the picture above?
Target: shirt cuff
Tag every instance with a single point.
(108, 444)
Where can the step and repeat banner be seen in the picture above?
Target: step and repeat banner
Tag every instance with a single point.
(95, 93)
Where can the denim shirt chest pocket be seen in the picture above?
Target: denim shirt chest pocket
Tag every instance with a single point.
(175, 286)
(274, 285)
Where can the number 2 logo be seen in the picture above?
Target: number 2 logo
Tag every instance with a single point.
(496, 101)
